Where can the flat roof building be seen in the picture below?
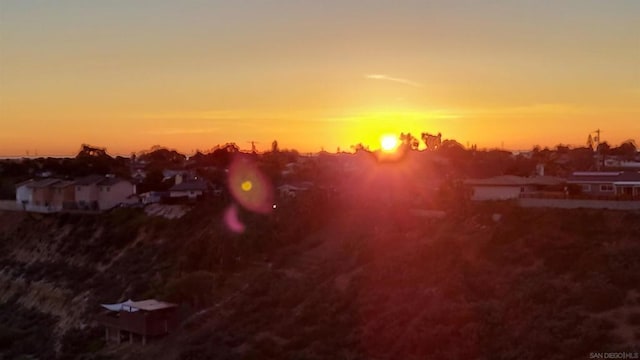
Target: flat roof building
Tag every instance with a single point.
(143, 319)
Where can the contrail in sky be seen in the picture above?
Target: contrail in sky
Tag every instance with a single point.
(394, 79)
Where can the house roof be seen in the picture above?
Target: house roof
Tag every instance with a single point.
(604, 177)
(98, 180)
(133, 306)
(512, 180)
(43, 183)
(151, 305)
(547, 180)
(195, 185)
(89, 180)
(57, 183)
(119, 306)
(63, 183)
(23, 183)
(108, 181)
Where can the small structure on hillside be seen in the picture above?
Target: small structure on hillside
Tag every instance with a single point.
(143, 320)
(153, 197)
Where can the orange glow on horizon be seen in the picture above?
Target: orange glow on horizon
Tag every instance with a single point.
(313, 75)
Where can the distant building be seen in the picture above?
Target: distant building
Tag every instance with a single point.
(63, 195)
(510, 187)
(613, 162)
(36, 195)
(153, 197)
(86, 192)
(113, 191)
(92, 192)
(24, 194)
(141, 320)
(178, 175)
(191, 190)
(607, 184)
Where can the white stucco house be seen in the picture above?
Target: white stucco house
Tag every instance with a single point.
(86, 192)
(63, 195)
(36, 195)
(24, 194)
(94, 192)
(509, 186)
(113, 191)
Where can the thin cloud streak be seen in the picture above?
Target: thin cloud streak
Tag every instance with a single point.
(254, 117)
(394, 79)
(183, 131)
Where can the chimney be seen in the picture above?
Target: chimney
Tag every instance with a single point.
(540, 170)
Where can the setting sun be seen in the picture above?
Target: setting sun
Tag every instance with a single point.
(389, 143)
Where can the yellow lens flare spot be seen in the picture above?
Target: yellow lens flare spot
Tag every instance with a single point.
(389, 143)
(249, 186)
(246, 185)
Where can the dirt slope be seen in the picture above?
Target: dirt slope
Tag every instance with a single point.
(374, 283)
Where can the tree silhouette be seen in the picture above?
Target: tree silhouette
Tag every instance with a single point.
(432, 142)
(603, 148)
(409, 141)
(627, 150)
(92, 152)
(92, 160)
(163, 156)
(231, 147)
(359, 147)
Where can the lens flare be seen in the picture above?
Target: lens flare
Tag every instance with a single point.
(232, 221)
(249, 186)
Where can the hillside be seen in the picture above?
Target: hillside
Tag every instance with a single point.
(314, 281)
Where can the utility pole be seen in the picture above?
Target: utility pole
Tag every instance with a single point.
(596, 139)
(253, 146)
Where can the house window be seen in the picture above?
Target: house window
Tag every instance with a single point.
(586, 188)
(606, 188)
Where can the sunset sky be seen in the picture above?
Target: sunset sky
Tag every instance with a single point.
(188, 75)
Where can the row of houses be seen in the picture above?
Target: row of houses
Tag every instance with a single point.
(94, 192)
(620, 185)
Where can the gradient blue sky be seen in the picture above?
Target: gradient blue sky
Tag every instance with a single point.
(189, 75)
